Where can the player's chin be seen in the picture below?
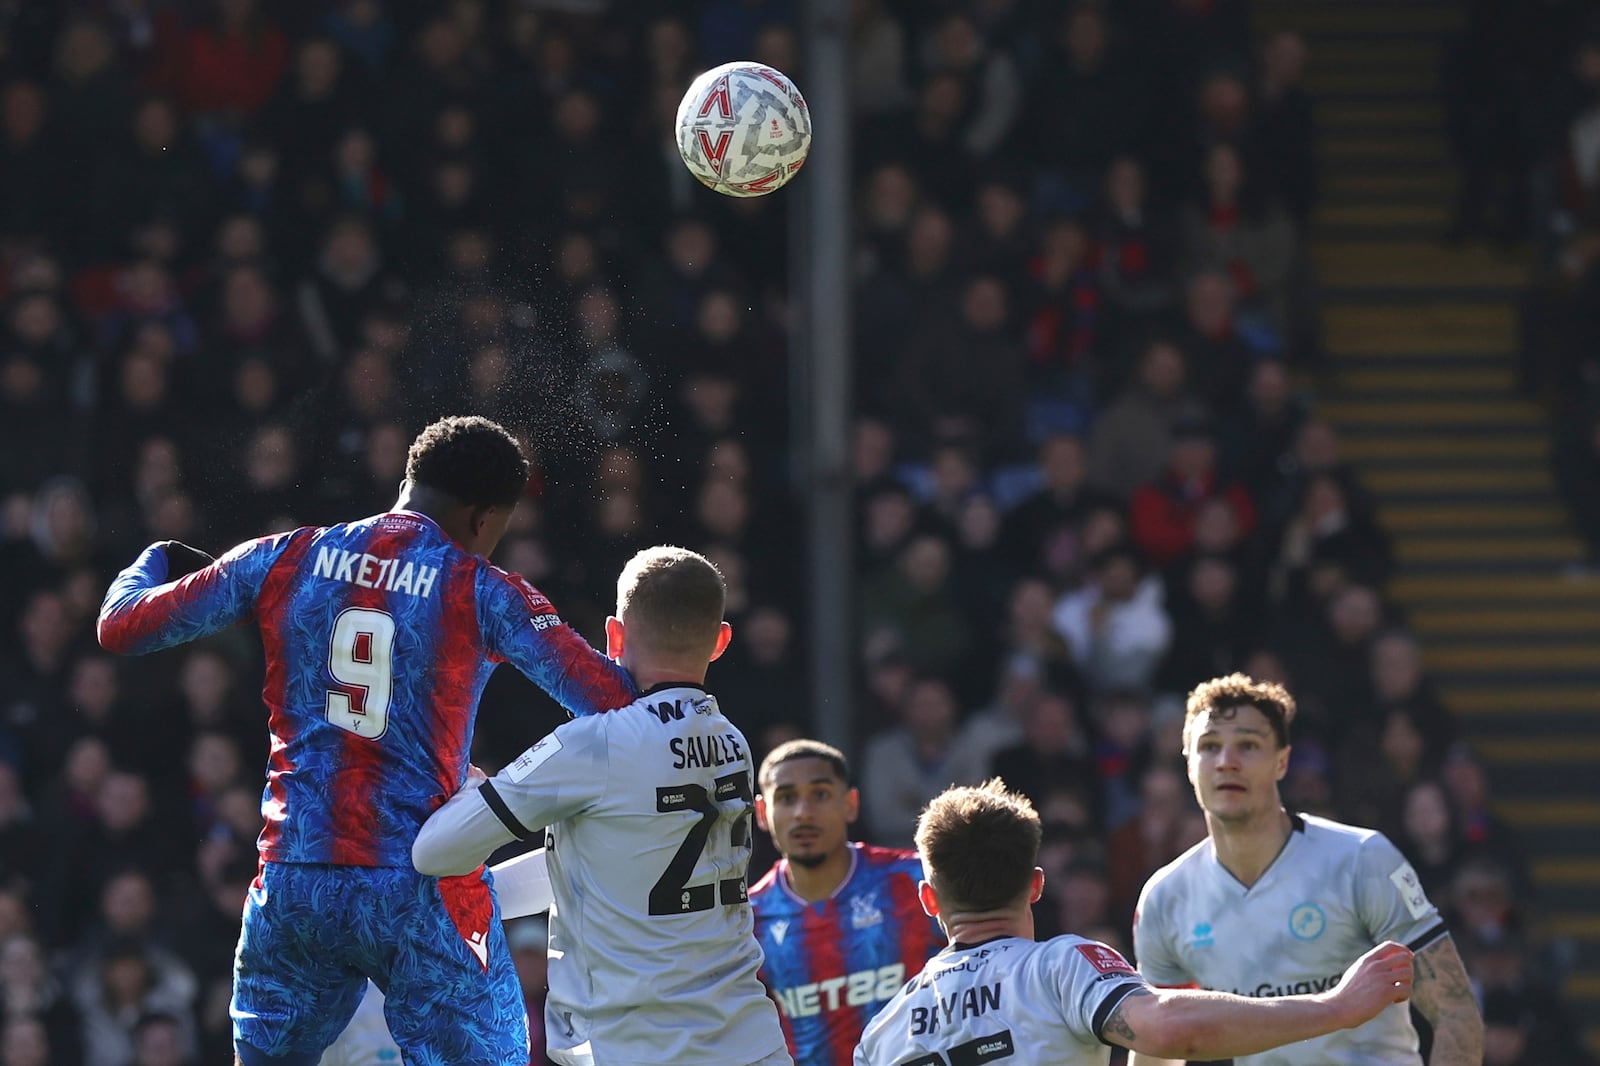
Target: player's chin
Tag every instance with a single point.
(1229, 801)
(811, 853)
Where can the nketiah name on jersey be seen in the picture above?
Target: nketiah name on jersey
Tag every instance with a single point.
(371, 572)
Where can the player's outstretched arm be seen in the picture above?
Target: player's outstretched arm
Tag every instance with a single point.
(173, 594)
(1183, 1024)
(1443, 995)
(561, 775)
(460, 835)
(521, 626)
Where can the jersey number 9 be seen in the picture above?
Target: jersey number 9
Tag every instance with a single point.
(361, 660)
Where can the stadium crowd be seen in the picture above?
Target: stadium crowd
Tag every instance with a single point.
(247, 249)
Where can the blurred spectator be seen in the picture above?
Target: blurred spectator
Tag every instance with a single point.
(907, 766)
(1257, 443)
(1159, 833)
(1086, 109)
(1136, 247)
(1214, 628)
(125, 985)
(1116, 625)
(962, 378)
(225, 65)
(1238, 230)
(1163, 512)
(1133, 437)
(28, 989)
(1283, 139)
(1053, 749)
(915, 601)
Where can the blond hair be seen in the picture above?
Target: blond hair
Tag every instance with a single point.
(671, 600)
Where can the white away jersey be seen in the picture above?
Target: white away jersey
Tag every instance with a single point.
(1008, 999)
(1334, 892)
(653, 957)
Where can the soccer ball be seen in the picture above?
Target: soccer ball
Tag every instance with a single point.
(743, 129)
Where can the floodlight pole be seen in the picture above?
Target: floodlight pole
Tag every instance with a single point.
(822, 362)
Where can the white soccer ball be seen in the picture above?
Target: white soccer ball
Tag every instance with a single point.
(743, 129)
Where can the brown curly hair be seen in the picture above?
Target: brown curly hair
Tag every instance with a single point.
(1221, 695)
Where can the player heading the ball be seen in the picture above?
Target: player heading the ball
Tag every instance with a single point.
(379, 637)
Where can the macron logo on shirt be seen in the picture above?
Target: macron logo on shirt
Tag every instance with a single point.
(371, 572)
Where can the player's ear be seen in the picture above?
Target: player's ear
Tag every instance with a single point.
(1282, 768)
(929, 901)
(613, 637)
(724, 634)
(1036, 887)
(852, 805)
(761, 814)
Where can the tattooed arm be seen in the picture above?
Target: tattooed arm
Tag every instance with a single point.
(1443, 995)
(1181, 1024)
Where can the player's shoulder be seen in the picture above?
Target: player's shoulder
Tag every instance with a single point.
(511, 585)
(666, 710)
(768, 897)
(1177, 875)
(270, 550)
(1327, 833)
(1068, 951)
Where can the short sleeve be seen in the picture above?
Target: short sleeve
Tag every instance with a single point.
(1390, 899)
(1094, 979)
(1152, 943)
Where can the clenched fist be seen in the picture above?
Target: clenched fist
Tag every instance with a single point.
(1377, 980)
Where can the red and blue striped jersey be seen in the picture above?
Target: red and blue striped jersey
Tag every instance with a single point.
(379, 638)
(832, 965)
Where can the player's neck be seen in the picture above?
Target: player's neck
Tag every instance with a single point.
(980, 927)
(1245, 849)
(816, 883)
(649, 676)
(419, 499)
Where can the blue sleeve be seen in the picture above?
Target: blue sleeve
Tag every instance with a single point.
(520, 626)
(144, 612)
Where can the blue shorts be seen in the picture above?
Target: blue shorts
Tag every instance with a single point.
(313, 934)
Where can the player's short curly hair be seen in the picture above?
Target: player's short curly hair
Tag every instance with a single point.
(671, 599)
(979, 846)
(790, 750)
(472, 459)
(1222, 695)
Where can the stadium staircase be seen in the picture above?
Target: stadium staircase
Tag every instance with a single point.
(1421, 382)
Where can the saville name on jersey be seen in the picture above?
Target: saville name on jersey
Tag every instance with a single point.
(371, 572)
(717, 750)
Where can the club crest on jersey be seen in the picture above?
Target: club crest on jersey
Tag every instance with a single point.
(1203, 937)
(1307, 922)
(864, 914)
